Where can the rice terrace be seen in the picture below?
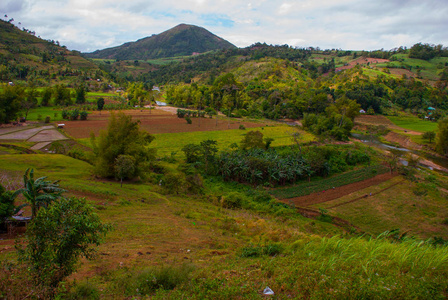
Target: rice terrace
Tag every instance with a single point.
(180, 166)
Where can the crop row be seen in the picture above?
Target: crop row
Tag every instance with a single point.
(307, 188)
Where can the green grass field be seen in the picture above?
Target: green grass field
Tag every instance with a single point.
(42, 112)
(168, 143)
(174, 142)
(229, 253)
(413, 123)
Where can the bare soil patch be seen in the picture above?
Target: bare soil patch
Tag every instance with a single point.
(378, 120)
(337, 192)
(402, 140)
(362, 61)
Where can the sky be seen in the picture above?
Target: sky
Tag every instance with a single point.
(88, 25)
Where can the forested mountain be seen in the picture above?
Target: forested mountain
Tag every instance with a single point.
(182, 40)
(23, 56)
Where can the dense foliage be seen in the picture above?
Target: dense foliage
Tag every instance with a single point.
(122, 137)
(257, 166)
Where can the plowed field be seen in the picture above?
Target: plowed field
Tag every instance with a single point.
(157, 122)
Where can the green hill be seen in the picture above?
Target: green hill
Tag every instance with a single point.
(24, 56)
(182, 40)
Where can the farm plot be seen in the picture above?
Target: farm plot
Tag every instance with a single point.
(154, 122)
(323, 185)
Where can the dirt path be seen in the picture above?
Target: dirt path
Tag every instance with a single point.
(337, 192)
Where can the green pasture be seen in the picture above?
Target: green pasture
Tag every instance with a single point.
(413, 123)
(44, 111)
(168, 143)
(374, 73)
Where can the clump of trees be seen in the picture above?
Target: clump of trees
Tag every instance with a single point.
(122, 137)
(337, 122)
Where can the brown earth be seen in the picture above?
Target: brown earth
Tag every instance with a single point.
(402, 140)
(378, 120)
(337, 192)
(362, 61)
(158, 121)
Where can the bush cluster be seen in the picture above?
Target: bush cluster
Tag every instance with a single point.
(74, 114)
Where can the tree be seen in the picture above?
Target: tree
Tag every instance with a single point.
(392, 159)
(442, 137)
(46, 96)
(124, 167)
(252, 139)
(57, 238)
(29, 101)
(100, 104)
(429, 135)
(38, 193)
(122, 137)
(61, 95)
(10, 100)
(297, 137)
(6, 204)
(80, 95)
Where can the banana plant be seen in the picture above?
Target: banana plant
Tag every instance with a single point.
(38, 193)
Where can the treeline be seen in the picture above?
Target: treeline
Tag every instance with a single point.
(278, 97)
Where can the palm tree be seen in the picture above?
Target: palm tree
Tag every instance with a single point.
(38, 193)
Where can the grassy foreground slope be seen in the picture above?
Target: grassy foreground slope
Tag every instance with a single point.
(200, 250)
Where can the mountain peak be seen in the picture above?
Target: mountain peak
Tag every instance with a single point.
(181, 40)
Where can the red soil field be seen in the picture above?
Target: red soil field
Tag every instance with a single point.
(158, 121)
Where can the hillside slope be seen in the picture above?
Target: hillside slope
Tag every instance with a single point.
(24, 56)
(181, 40)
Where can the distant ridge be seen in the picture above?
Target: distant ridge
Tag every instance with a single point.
(181, 40)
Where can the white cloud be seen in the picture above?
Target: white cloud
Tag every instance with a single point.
(88, 25)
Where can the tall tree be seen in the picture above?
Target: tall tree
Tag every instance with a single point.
(100, 104)
(122, 137)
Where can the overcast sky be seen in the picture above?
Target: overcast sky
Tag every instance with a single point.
(88, 25)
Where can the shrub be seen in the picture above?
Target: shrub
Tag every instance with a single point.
(57, 148)
(174, 182)
(242, 127)
(39, 117)
(56, 239)
(232, 200)
(6, 204)
(188, 119)
(257, 251)
(84, 290)
(47, 119)
(78, 153)
(65, 114)
(83, 115)
(74, 114)
(152, 279)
